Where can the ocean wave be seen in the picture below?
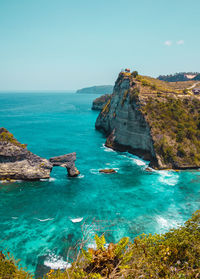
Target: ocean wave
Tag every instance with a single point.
(107, 149)
(56, 262)
(168, 177)
(14, 217)
(165, 224)
(94, 171)
(44, 220)
(139, 162)
(76, 220)
(81, 176)
(135, 160)
(51, 179)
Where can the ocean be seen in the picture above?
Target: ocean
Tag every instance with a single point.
(41, 220)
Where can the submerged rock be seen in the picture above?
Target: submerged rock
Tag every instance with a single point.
(18, 163)
(67, 161)
(100, 102)
(107, 171)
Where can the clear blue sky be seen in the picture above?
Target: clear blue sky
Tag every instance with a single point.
(62, 44)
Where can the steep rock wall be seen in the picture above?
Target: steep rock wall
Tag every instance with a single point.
(124, 124)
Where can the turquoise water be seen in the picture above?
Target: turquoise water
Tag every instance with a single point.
(37, 218)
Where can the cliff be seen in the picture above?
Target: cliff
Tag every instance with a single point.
(100, 102)
(153, 119)
(98, 90)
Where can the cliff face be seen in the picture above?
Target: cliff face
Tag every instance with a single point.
(149, 118)
(125, 125)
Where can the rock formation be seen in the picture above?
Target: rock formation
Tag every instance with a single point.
(107, 171)
(67, 161)
(16, 162)
(153, 119)
(100, 102)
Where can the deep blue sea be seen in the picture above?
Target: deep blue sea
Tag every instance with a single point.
(39, 221)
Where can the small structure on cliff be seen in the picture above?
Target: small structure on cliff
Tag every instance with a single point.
(196, 91)
(18, 163)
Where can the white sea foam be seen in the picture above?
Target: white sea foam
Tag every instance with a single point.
(51, 179)
(165, 224)
(77, 220)
(136, 160)
(94, 171)
(168, 177)
(81, 176)
(14, 217)
(107, 149)
(55, 262)
(44, 220)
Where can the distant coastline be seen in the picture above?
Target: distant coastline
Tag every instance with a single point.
(100, 89)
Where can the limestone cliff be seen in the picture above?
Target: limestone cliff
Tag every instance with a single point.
(153, 119)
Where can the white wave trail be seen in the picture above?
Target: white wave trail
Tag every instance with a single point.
(44, 220)
(77, 220)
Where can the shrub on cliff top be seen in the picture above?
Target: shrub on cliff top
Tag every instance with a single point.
(175, 124)
(8, 137)
(9, 268)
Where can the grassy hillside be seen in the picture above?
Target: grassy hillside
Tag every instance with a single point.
(173, 114)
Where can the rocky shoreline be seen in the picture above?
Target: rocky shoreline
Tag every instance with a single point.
(18, 163)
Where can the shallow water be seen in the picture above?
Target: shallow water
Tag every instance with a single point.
(39, 221)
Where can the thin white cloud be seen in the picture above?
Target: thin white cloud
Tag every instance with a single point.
(180, 42)
(168, 43)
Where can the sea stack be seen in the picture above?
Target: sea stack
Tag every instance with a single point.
(66, 161)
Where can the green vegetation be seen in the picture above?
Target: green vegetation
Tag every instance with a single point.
(157, 85)
(173, 115)
(7, 136)
(134, 74)
(173, 255)
(9, 268)
(175, 124)
(180, 77)
(106, 108)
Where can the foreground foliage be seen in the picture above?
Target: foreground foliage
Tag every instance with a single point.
(9, 268)
(173, 255)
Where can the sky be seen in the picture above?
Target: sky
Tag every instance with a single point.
(67, 45)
